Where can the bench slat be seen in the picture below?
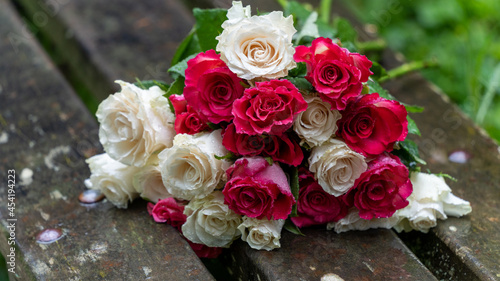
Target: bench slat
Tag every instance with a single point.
(358, 255)
(46, 128)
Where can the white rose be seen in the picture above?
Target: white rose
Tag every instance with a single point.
(149, 183)
(353, 222)
(112, 178)
(336, 166)
(135, 123)
(189, 168)
(431, 200)
(237, 13)
(211, 222)
(258, 46)
(261, 234)
(318, 123)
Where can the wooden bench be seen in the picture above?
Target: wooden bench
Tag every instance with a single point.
(51, 133)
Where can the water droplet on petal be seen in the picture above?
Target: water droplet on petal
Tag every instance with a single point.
(90, 196)
(49, 235)
(459, 156)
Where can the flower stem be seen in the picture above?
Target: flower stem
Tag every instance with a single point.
(325, 10)
(489, 95)
(406, 68)
(374, 45)
(283, 3)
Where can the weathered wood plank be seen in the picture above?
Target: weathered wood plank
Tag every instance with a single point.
(46, 129)
(101, 41)
(358, 255)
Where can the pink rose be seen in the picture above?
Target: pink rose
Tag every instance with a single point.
(168, 211)
(187, 120)
(315, 206)
(268, 108)
(257, 189)
(371, 125)
(280, 148)
(203, 251)
(211, 88)
(334, 72)
(382, 189)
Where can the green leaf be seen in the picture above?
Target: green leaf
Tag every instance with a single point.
(146, 84)
(443, 175)
(310, 29)
(294, 186)
(365, 90)
(190, 45)
(326, 30)
(214, 126)
(177, 87)
(412, 126)
(345, 31)
(208, 26)
(179, 69)
(299, 12)
(228, 156)
(378, 71)
(349, 46)
(269, 160)
(290, 226)
(412, 149)
(299, 71)
(413, 108)
(301, 83)
(408, 154)
(374, 87)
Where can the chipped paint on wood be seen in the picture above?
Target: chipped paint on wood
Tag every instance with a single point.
(53, 153)
(26, 177)
(56, 195)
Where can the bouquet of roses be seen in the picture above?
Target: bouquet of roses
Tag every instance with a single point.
(264, 128)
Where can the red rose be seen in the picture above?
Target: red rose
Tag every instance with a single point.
(268, 108)
(211, 88)
(168, 211)
(203, 251)
(257, 189)
(382, 189)
(371, 125)
(187, 120)
(315, 206)
(279, 148)
(334, 72)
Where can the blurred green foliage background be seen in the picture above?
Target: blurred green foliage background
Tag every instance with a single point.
(462, 36)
